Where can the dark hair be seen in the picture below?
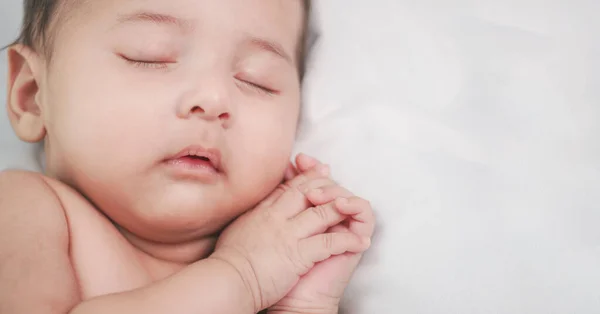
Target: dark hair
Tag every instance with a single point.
(36, 22)
(39, 15)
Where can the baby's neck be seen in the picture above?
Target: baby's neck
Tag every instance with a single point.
(181, 254)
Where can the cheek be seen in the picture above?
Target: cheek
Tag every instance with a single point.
(99, 119)
(264, 145)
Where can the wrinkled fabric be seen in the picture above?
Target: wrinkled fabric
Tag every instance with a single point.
(474, 128)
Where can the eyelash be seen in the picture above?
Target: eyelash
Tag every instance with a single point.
(258, 88)
(155, 65)
(163, 65)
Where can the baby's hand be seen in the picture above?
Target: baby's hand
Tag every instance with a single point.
(282, 239)
(321, 289)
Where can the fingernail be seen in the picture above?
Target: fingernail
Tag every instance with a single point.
(317, 191)
(324, 169)
(310, 158)
(304, 188)
(342, 201)
(307, 162)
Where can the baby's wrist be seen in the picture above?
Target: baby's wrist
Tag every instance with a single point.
(243, 281)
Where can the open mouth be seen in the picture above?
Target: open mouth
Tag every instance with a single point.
(198, 158)
(195, 157)
(193, 161)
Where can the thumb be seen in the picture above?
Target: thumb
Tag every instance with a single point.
(305, 162)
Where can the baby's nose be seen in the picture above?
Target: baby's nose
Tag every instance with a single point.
(212, 113)
(209, 103)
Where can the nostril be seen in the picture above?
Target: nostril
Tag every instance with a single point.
(224, 116)
(197, 109)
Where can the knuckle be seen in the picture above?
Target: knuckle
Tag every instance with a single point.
(321, 212)
(287, 188)
(296, 257)
(328, 241)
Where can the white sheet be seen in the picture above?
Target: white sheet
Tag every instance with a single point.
(473, 127)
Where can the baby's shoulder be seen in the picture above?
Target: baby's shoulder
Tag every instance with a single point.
(32, 193)
(30, 187)
(34, 236)
(24, 185)
(28, 195)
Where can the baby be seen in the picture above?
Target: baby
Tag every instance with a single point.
(168, 127)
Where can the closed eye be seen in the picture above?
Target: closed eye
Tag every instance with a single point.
(257, 88)
(148, 64)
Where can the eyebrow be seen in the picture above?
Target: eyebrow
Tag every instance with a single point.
(270, 46)
(156, 18)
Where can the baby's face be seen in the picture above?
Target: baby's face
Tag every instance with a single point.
(136, 86)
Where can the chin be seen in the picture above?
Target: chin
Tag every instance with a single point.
(185, 214)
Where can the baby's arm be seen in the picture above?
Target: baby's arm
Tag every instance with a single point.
(35, 271)
(36, 275)
(208, 286)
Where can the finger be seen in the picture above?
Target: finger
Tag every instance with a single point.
(324, 194)
(290, 172)
(317, 220)
(319, 172)
(341, 227)
(323, 246)
(288, 200)
(305, 162)
(316, 173)
(362, 222)
(316, 186)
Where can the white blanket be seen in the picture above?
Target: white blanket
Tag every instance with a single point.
(473, 126)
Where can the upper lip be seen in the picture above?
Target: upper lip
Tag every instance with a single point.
(213, 155)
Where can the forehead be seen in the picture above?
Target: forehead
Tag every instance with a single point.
(281, 20)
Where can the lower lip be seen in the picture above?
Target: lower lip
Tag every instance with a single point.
(188, 168)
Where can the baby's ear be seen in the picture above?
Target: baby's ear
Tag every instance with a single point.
(23, 94)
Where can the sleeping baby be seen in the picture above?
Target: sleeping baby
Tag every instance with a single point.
(168, 127)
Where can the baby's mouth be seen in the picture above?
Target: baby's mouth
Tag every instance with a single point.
(196, 163)
(198, 158)
(198, 155)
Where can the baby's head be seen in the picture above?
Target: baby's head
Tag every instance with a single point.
(173, 117)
